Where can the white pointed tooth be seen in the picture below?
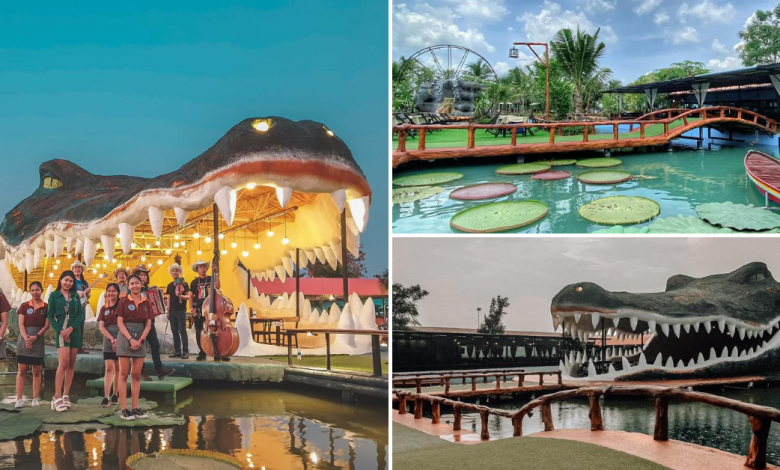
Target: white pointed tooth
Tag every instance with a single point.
(626, 364)
(226, 200)
(353, 244)
(279, 270)
(581, 334)
(732, 328)
(283, 194)
(109, 245)
(336, 248)
(633, 321)
(609, 332)
(58, 243)
(339, 198)
(90, 248)
(742, 333)
(320, 255)
(330, 256)
(658, 361)
(670, 363)
(687, 327)
(29, 261)
(696, 326)
(156, 217)
(680, 364)
(750, 334)
(359, 209)
(126, 232)
(578, 357)
(49, 244)
(591, 370)
(288, 266)
(722, 325)
(577, 317)
(763, 345)
(691, 364)
(594, 318)
(676, 329)
(642, 360)
(707, 326)
(270, 274)
(651, 325)
(181, 215)
(311, 256)
(665, 329)
(302, 259)
(69, 244)
(556, 322)
(574, 331)
(79, 246)
(714, 354)
(700, 359)
(750, 351)
(611, 370)
(566, 327)
(743, 353)
(352, 226)
(734, 352)
(37, 257)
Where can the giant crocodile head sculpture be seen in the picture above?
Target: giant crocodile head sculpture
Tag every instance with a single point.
(715, 326)
(277, 156)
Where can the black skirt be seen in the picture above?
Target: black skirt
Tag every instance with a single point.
(30, 361)
(109, 356)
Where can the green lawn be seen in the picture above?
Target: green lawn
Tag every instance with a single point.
(459, 137)
(362, 363)
(414, 449)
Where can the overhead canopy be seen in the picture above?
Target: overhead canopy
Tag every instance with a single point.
(759, 75)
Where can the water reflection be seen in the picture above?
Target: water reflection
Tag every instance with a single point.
(265, 428)
(690, 422)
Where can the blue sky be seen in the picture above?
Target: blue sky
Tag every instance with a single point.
(140, 88)
(640, 35)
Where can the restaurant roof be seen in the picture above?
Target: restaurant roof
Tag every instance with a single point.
(472, 331)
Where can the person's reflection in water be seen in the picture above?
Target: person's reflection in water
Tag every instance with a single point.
(111, 443)
(24, 459)
(179, 435)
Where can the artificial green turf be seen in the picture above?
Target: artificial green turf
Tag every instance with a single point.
(363, 363)
(459, 137)
(414, 449)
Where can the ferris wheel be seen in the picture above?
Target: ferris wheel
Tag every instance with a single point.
(447, 60)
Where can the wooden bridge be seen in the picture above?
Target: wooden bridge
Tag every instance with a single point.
(656, 128)
(464, 384)
(759, 417)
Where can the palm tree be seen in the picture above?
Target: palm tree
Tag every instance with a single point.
(522, 85)
(579, 57)
(496, 93)
(477, 71)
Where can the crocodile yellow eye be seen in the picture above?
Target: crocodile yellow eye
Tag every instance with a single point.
(261, 125)
(328, 131)
(51, 183)
(578, 288)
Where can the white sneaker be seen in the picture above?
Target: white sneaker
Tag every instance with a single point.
(35, 402)
(19, 403)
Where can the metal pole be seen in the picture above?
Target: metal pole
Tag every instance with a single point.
(297, 282)
(25, 280)
(344, 262)
(547, 65)
(479, 309)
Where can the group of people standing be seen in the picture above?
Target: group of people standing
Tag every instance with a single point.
(125, 320)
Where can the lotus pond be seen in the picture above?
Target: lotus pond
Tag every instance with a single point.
(262, 426)
(677, 181)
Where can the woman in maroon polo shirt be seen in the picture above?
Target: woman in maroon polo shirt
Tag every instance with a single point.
(33, 323)
(110, 331)
(134, 318)
(5, 307)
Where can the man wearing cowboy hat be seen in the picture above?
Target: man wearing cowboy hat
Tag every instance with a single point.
(178, 293)
(200, 286)
(121, 274)
(154, 344)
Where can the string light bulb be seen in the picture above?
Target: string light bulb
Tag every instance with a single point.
(224, 252)
(285, 240)
(245, 253)
(208, 240)
(221, 236)
(196, 236)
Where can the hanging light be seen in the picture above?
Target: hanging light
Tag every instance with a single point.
(70, 256)
(168, 251)
(251, 185)
(159, 261)
(57, 262)
(257, 240)
(285, 240)
(175, 244)
(224, 252)
(199, 252)
(143, 258)
(208, 239)
(270, 230)
(133, 245)
(157, 243)
(197, 235)
(244, 253)
(51, 274)
(234, 244)
(221, 236)
(176, 237)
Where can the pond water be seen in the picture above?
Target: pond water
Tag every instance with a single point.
(690, 422)
(271, 427)
(678, 181)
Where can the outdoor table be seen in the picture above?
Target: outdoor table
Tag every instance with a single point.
(268, 322)
(375, 341)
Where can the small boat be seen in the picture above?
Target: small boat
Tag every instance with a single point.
(764, 171)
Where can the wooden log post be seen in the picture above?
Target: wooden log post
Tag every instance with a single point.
(401, 140)
(514, 136)
(473, 384)
(447, 385)
(541, 379)
(547, 416)
(560, 378)
(421, 140)
(485, 434)
(552, 134)
(402, 405)
(457, 415)
(418, 408)
(666, 129)
(596, 422)
(722, 112)
(615, 132)
(585, 134)
(419, 385)
(756, 456)
(685, 120)
(661, 431)
(517, 425)
(436, 411)
(498, 381)
(470, 143)
(739, 114)
(641, 130)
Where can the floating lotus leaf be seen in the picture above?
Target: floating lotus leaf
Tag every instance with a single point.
(604, 176)
(77, 427)
(414, 193)
(152, 420)
(621, 229)
(682, 224)
(76, 414)
(178, 458)
(738, 216)
(426, 179)
(499, 216)
(561, 162)
(143, 403)
(483, 191)
(14, 425)
(522, 169)
(552, 175)
(599, 162)
(9, 407)
(620, 210)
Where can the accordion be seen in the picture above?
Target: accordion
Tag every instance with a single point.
(157, 301)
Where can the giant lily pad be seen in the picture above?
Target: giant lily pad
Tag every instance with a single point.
(561, 162)
(621, 229)
(499, 216)
(738, 216)
(426, 179)
(143, 403)
(14, 425)
(682, 224)
(604, 176)
(620, 210)
(178, 458)
(152, 420)
(599, 162)
(76, 414)
(483, 191)
(522, 169)
(552, 175)
(77, 427)
(414, 193)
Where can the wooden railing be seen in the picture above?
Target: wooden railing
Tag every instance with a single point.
(376, 356)
(421, 380)
(703, 116)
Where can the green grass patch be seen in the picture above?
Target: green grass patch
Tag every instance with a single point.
(363, 363)
(414, 449)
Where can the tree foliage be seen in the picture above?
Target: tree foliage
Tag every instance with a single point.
(677, 70)
(761, 38)
(578, 55)
(493, 322)
(405, 305)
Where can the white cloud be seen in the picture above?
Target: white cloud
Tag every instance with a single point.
(593, 6)
(707, 12)
(543, 26)
(719, 47)
(480, 11)
(424, 26)
(660, 18)
(501, 67)
(728, 63)
(509, 28)
(687, 35)
(646, 6)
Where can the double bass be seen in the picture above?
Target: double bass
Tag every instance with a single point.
(219, 339)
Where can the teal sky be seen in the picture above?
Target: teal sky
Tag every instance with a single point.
(140, 88)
